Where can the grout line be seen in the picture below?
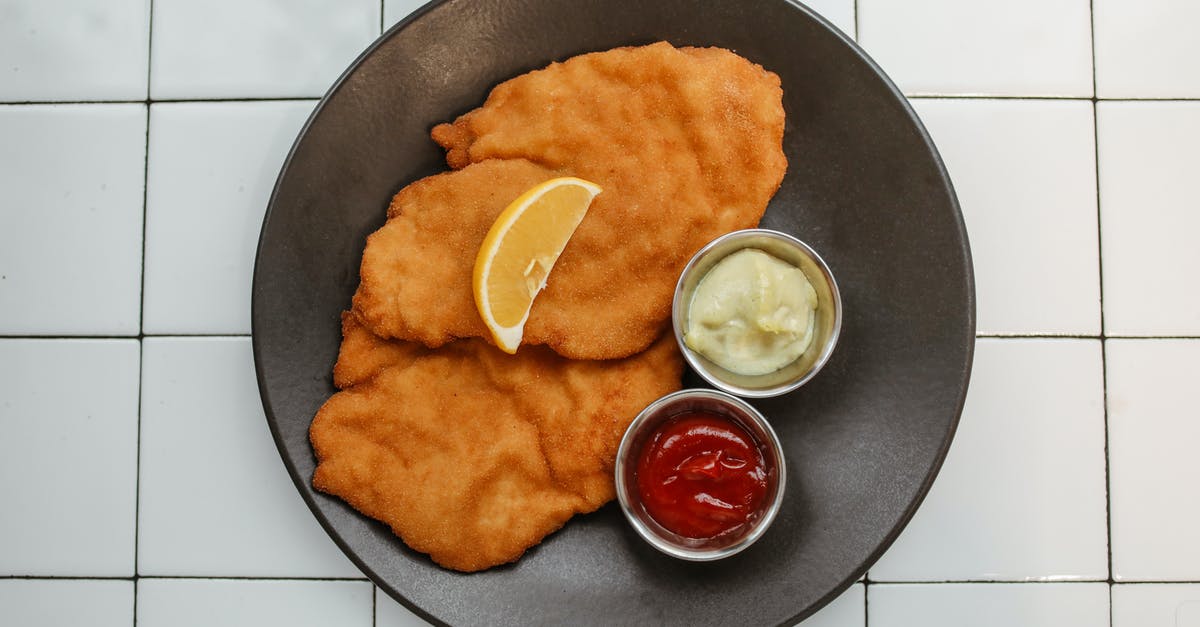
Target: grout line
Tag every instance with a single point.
(994, 581)
(866, 603)
(1066, 336)
(382, 4)
(137, 481)
(374, 605)
(249, 99)
(137, 484)
(1103, 329)
(249, 578)
(140, 336)
(63, 578)
(856, 30)
(70, 337)
(1035, 336)
(174, 577)
(1092, 24)
(1149, 337)
(20, 103)
(935, 96)
(213, 335)
(149, 63)
(1146, 582)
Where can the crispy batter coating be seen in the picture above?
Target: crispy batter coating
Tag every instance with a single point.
(472, 455)
(416, 269)
(686, 143)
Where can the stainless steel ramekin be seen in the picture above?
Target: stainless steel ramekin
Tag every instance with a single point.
(639, 432)
(828, 321)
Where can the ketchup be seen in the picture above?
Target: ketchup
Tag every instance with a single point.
(701, 475)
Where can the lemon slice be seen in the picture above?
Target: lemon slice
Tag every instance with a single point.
(520, 250)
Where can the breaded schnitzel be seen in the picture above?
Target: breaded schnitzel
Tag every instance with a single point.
(686, 143)
(472, 455)
(415, 278)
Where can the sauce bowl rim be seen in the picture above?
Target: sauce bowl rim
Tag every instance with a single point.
(625, 473)
(678, 313)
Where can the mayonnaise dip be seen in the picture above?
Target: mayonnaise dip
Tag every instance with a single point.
(752, 313)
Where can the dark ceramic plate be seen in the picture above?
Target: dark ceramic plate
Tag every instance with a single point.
(864, 186)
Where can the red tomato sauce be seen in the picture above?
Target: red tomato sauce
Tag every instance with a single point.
(701, 475)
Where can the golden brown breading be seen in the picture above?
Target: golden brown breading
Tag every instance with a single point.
(687, 144)
(472, 455)
(363, 355)
(415, 277)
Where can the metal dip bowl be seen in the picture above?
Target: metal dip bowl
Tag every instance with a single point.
(828, 312)
(638, 435)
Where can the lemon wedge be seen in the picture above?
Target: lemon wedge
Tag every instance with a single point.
(519, 251)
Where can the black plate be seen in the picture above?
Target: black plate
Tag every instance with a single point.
(864, 186)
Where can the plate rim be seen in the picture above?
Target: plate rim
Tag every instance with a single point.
(302, 482)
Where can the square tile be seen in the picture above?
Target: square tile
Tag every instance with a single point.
(68, 456)
(389, 613)
(988, 605)
(848, 610)
(839, 12)
(1147, 48)
(396, 10)
(1025, 175)
(211, 170)
(1022, 493)
(1149, 216)
(74, 50)
(210, 472)
(206, 602)
(1156, 605)
(1153, 434)
(71, 219)
(66, 602)
(1015, 48)
(255, 48)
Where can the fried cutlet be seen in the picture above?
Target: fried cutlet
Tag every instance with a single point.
(472, 455)
(685, 142)
(415, 276)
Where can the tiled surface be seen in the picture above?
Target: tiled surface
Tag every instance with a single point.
(1035, 410)
(1147, 48)
(68, 457)
(1150, 207)
(848, 610)
(66, 602)
(1156, 605)
(71, 218)
(396, 10)
(140, 462)
(983, 605)
(203, 603)
(1025, 175)
(74, 50)
(389, 613)
(1154, 428)
(255, 48)
(212, 166)
(210, 472)
(1014, 48)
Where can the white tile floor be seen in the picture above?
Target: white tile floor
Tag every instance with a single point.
(1069, 497)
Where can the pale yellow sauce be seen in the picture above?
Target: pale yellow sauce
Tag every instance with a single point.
(752, 313)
